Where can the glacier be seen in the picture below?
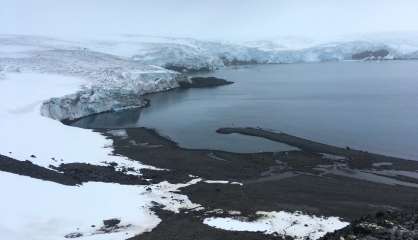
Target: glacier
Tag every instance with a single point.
(111, 82)
(120, 70)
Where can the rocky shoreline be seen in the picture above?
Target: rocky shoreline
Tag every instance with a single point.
(203, 82)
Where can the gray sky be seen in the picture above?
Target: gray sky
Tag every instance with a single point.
(208, 19)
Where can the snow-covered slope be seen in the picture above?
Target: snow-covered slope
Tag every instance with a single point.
(111, 82)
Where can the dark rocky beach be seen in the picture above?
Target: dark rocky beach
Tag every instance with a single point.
(297, 180)
(350, 186)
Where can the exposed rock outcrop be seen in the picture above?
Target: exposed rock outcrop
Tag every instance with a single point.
(394, 225)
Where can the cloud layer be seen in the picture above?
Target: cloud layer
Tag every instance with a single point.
(208, 19)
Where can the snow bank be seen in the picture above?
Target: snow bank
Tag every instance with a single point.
(296, 225)
(40, 210)
(34, 209)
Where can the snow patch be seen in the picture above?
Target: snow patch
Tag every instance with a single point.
(173, 201)
(121, 133)
(222, 182)
(296, 225)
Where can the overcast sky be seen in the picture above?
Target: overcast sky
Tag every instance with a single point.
(208, 19)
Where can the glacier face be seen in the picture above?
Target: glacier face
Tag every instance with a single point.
(111, 82)
(118, 70)
(88, 102)
(184, 54)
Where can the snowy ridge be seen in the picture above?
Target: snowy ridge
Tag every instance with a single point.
(186, 54)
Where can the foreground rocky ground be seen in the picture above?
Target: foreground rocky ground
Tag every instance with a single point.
(382, 225)
(317, 183)
(350, 185)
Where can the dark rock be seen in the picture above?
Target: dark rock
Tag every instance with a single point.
(370, 55)
(382, 225)
(74, 235)
(185, 69)
(237, 62)
(32, 156)
(87, 172)
(27, 168)
(113, 164)
(202, 82)
(113, 222)
(380, 214)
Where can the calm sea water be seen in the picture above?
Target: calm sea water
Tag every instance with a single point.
(366, 105)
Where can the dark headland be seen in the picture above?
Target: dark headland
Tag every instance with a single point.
(203, 82)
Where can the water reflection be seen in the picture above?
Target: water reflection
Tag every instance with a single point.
(122, 119)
